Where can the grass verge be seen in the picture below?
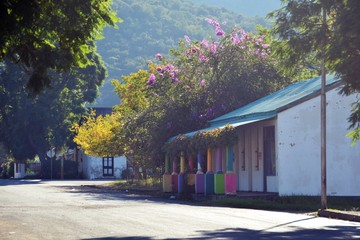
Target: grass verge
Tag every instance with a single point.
(290, 203)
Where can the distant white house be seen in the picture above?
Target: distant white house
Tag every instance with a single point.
(101, 167)
(278, 148)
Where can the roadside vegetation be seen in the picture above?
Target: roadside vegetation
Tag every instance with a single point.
(290, 203)
(153, 187)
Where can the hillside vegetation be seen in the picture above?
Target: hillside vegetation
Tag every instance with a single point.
(248, 7)
(155, 26)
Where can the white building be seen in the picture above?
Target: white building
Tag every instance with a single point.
(101, 167)
(279, 144)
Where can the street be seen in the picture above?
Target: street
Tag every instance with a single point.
(34, 209)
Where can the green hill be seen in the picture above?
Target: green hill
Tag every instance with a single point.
(155, 26)
(248, 7)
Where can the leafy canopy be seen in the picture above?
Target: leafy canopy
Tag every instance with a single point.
(299, 25)
(30, 125)
(57, 35)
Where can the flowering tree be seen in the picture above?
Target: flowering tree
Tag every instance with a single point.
(200, 81)
(206, 79)
(222, 74)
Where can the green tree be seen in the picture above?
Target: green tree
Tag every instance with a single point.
(299, 26)
(29, 124)
(51, 35)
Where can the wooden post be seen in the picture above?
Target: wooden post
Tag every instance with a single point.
(62, 168)
(182, 162)
(209, 160)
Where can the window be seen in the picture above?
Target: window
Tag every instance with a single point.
(108, 166)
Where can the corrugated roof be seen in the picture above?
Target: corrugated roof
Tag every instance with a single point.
(277, 101)
(268, 106)
(244, 121)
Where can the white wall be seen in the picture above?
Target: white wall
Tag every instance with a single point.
(93, 166)
(298, 146)
(19, 170)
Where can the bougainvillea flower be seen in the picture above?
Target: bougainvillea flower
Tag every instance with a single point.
(187, 39)
(174, 79)
(151, 79)
(265, 46)
(213, 47)
(219, 32)
(212, 22)
(203, 58)
(158, 56)
(205, 43)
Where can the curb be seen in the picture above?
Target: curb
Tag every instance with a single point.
(338, 215)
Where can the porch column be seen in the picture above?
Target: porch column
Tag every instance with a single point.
(174, 177)
(230, 176)
(190, 176)
(199, 179)
(182, 173)
(191, 163)
(209, 176)
(167, 176)
(219, 186)
(218, 160)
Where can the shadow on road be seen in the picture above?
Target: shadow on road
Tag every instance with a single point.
(331, 233)
(95, 193)
(6, 182)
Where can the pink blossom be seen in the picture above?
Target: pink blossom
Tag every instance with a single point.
(265, 46)
(213, 47)
(205, 43)
(202, 82)
(151, 79)
(259, 40)
(203, 58)
(158, 56)
(174, 79)
(219, 32)
(187, 39)
(193, 50)
(212, 22)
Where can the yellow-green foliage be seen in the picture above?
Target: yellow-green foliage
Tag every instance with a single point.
(97, 135)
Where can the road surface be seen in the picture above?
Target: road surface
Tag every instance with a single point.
(65, 210)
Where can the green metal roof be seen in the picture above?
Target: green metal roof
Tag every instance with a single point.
(268, 106)
(277, 101)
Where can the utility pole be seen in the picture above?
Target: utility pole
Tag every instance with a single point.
(323, 118)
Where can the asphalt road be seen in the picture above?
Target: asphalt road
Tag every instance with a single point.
(64, 210)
